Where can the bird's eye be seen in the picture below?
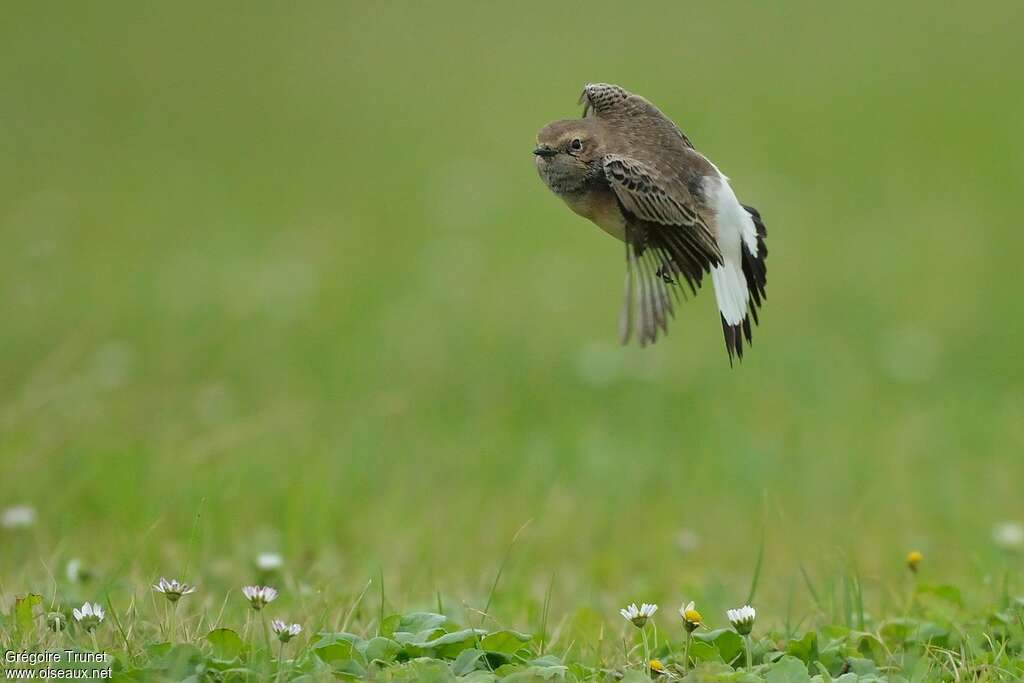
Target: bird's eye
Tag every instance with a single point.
(576, 144)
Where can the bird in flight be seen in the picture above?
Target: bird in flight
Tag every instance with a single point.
(626, 167)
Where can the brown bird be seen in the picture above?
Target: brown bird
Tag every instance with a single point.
(629, 169)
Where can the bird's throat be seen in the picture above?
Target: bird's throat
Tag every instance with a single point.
(599, 205)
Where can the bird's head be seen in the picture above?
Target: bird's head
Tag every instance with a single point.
(569, 154)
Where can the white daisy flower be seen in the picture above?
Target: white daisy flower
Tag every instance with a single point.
(269, 562)
(74, 570)
(285, 632)
(173, 589)
(638, 615)
(18, 517)
(89, 616)
(259, 596)
(1009, 535)
(742, 619)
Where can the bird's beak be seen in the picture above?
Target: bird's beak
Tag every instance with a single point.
(544, 151)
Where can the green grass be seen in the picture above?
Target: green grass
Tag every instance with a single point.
(926, 631)
(284, 279)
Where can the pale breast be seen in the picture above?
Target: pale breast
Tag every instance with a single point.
(602, 208)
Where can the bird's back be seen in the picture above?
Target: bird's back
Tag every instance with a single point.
(642, 131)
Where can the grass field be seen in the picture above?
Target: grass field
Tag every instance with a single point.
(283, 279)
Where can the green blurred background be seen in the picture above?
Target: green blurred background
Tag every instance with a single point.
(287, 270)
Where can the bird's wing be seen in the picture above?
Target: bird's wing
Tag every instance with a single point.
(613, 103)
(666, 238)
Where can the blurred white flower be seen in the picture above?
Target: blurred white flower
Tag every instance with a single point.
(687, 540)
(89, 616)
(1009, 535)
(259, 596)
(742, 619)
(638, 615)
(74, 570)
(269, 562)
(285, 632)
(173, 589)
(18, 517)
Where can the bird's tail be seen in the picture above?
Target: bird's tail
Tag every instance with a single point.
(732, 295)
(740, 285)
(755, 268)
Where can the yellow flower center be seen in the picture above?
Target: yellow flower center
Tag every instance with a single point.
(692, 616)
(656, 665)
(914, 558)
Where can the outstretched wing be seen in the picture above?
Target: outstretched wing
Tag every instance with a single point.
(613, 103)
(666, 238)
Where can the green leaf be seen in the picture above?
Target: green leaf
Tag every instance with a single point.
(157, 650)
(862, 667)
(226, 643)
(181, 661)
(505, 642)
(704, 652)
(414, 622)
(450, 645)
(411, 639)
(788, 670)
(382, 649)
(868, 644)
(428, 671)
(728, 643)
(336, 647)
(350, 668)
(805, 649)
(533, 674)
(467, 661)
(24, 612)
(390, 625)
(897, 631)
(478, 677)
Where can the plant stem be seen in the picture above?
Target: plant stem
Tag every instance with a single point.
(280, 660)
(750, 661)
(266, 636)
(686, 650)
(647, 654)
(246, 635)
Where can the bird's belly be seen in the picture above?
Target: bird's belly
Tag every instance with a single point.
(602, 209)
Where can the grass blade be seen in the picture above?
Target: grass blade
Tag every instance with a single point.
(757, 570)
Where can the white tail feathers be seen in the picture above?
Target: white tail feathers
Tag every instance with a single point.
(731, 291)
(740, 240)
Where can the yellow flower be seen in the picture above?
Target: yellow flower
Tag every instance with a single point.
(658, 670)
(691, 617)
(914, 558)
